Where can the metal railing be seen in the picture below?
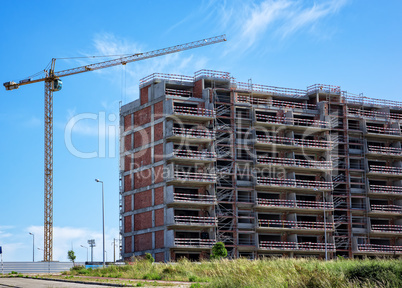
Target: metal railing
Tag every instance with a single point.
(386, 169)
(295, 204)
(320, 144)
(194, 176)
(290, 92)
(362, 100)
(274, 103)
(332, 89)
(195, 220)
(385, 189)
(173, 77)
(295, 162)
(309, 123)
(194, 242)
(383, 130)
(193, 111)
(195, 198)
(193, 133)
(191, 154)
(386, 208)
(303, 246)
(386, 228)
(265, 223)
(295, 183)
(384, 150)
(270, 119)
(379, 248)
(213, 74)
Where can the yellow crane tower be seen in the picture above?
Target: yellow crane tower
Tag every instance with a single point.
(53, 84)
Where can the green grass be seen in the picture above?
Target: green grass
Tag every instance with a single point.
(285, 272)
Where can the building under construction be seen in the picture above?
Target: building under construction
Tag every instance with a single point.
(269, 171)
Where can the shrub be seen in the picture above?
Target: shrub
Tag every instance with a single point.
(152, 276)
(149, 257)
(219, 251)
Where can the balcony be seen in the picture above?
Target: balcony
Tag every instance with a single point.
(293, 205)
(386, 209)
(285, 142)
(381, 189)
(379, 249)
(192, 177)
(193, 113)
(383, 131)
(385, 229)
(294, 246)
(194, 243)
(179, 93)
(274, 103)
(294, 184)
(295, 163)
(294, 123)
(193, 135)
(191, 155)
(190, 200)
(194, 221)
(265, 224)
(371, 149)
(388, 170)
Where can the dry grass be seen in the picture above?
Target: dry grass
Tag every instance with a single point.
(264, 273)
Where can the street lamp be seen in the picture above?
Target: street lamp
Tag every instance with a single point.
(103, 220)
(33, 246)
(87, 250)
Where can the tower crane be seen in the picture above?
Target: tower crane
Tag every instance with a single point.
(53, 83)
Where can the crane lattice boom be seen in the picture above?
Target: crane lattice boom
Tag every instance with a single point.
(52, 83)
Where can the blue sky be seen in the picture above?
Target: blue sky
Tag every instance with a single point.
(351, 43)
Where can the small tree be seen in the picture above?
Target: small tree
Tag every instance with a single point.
(219, 251)
(71, 256)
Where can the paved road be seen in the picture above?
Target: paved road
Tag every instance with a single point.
(35, 283)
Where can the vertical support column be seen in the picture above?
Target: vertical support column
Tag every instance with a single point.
(48, 223)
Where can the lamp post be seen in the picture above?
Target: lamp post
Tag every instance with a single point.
(33, 246)
(103, 220)
(87, 250)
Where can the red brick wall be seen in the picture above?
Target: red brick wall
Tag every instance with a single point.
(127, 183)
(158, 197)
(158, 153)
(127, 122)
(144, 94)
(197, 91)
(128, 242)
(158, 174)
(142, 137)
(127, 143)
(158, 131)
(158, 110)
(127, 163)
(143, 199)
(127, 203)
(127, 224)
(159, 239)
(143, 178)
(159, 257)
(143, 242)
(159, 219)
(142, 116)
(142, 158)
(143, 220)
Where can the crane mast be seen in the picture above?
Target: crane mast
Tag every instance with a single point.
(53, 83)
